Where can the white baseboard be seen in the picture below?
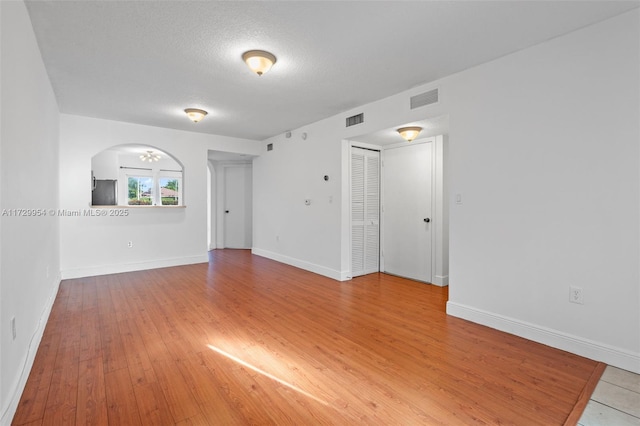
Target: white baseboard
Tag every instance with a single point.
(92, 271)
(441, 280)
(307, 266)
(34, 344)
(345, 276)
(616, 357)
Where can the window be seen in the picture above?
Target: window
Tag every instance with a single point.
(161, 188)
(140, 190)
(170, 190)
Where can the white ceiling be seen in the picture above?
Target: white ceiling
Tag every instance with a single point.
(136, 150)
(430, 127)
(229, 157)
(145, 61)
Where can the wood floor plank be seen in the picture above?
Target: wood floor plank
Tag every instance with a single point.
(62, 398)
(122, 408)
(111, 345)
(90, 342)
(152, 404)
(194, 421)
(212, 400)
(34, 397)
(92, 399)
(180, 401)
(140, 366)
(246, 340)
(585, 395)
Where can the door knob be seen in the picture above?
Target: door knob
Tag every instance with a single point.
(226, 211)
(426, 219)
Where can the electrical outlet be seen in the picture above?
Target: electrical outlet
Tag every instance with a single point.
(13, 327)
(575, 295)
(130, 244)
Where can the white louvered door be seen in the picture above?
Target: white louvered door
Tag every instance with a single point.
(365, 211)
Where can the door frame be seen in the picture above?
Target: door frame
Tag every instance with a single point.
(218, 198)
(363, 145)
(440, 208)
(401, 145)
(379, 151)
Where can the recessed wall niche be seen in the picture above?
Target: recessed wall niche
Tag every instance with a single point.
(136, 175)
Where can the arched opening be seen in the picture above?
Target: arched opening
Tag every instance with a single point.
(136, 175)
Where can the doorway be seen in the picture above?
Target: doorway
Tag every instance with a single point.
(230, 189)
(413, 222)
(237, 216)
(365, 211)
(407, 216)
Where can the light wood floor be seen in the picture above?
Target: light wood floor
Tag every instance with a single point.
(246, 340)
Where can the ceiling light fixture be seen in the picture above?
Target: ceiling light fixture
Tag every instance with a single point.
(150, 156)
(409, 133)
(195, 114)
(259, 61)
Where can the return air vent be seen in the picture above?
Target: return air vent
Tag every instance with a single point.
(426, 98)
(355, 119)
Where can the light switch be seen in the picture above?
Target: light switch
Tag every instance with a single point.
(458, 198)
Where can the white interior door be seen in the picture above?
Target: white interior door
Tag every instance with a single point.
(365, 211)
(407, 211)
(237, 207)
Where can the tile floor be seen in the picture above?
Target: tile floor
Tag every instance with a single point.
(615, 401)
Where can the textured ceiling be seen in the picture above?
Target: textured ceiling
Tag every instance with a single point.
(145, 61)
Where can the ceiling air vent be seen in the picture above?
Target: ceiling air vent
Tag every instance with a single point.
(426, 98)
(355, 119)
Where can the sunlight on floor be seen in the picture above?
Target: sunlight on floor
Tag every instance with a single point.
(264, 373)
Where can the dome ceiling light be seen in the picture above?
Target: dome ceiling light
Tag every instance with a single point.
(195, 114)
(409, 133)
(259, 61)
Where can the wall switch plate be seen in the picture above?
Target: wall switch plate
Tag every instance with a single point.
(576, 295)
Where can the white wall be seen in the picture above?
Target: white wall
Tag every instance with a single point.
(162, 236)
(212, 192)
(545, 153)
(218, 212)
(441, 185)
(29, 246)
(440, 213)
(105, 165)
(285, 228)
(544, 149)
